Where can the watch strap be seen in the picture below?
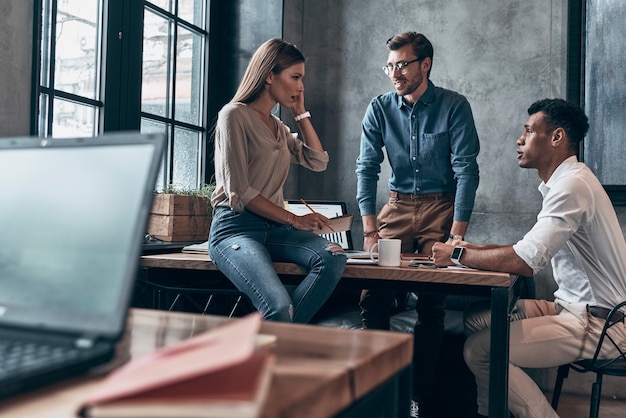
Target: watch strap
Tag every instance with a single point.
(457, 253)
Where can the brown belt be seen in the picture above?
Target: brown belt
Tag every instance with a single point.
(425, 196)
(603, 313)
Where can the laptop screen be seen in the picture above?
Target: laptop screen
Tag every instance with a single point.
(72, 218)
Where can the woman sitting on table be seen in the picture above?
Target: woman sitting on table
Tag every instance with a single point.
(251, 228)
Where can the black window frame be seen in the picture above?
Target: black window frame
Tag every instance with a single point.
(576, 40)
(121, 76)
(233, 35)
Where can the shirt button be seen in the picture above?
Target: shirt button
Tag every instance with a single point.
(412, 136)
(417, 189)
(417, 171)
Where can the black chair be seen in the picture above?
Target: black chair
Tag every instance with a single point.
(615, 366)
(189, 291)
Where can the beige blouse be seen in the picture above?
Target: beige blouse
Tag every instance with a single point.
(250, 161)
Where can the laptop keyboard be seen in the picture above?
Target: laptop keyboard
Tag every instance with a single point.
(27, 362)
(24, 356)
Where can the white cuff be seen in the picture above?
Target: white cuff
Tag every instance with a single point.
(301, 116)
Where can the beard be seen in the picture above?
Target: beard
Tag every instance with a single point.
(404, 86)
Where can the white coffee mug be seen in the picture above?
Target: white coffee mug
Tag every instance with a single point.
(388, 252)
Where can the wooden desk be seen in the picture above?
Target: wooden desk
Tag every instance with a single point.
(320, 371)
(502, 288)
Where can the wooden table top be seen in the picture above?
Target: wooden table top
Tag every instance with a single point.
(450, 275)
(502, 288)
(322, 368)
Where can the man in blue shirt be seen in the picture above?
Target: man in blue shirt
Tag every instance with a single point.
(431, 145)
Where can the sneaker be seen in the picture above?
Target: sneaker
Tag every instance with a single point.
(415, 409)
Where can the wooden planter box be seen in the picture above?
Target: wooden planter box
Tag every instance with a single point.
(175, 217)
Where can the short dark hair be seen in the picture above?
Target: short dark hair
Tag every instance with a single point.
(563, 114)
(422, 48)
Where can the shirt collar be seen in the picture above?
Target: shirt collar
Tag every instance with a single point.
(427, 98)
(564, 166)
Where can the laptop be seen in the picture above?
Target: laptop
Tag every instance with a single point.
(73, 213)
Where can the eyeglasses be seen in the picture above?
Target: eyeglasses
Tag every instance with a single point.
(401, 66)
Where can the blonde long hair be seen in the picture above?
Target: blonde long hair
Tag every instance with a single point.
(273, 56)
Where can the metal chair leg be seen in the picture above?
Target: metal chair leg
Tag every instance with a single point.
(208, 304)
(237, 302)
(561, 375)
(596, 392)
(171, 308)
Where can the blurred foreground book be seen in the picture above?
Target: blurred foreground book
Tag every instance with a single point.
(219, 373)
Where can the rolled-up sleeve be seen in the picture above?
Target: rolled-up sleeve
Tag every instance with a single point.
(535, 248)
(307, 157)
(566, 206)
(464, 146)
(369, 160)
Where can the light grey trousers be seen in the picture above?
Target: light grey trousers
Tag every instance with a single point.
(543, 334)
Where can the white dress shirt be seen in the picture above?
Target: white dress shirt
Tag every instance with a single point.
(578, 232)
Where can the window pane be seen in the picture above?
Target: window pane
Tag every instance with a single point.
(189, 80)
(150, 126)
(77, 47)
(155, 86)
(186, 157)
(192, 11)
(163, 4)
(174, 84)
(73, 119)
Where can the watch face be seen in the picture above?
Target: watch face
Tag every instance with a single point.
(456, 253)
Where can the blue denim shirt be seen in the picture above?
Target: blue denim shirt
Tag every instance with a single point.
(431, 147)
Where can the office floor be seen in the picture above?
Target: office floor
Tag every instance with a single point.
(578, 407)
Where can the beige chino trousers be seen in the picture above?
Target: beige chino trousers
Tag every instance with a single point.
(543, 334)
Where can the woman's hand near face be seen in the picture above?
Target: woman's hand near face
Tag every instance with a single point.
(297, 108)
(306, 127)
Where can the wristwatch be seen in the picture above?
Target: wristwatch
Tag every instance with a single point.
(457, 253)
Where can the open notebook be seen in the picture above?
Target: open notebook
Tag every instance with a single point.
(73, 214)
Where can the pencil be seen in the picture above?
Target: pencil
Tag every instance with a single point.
(314, 211)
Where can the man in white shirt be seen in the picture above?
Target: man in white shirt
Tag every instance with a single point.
(576, 231)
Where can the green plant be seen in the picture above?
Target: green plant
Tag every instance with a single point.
(204, 192)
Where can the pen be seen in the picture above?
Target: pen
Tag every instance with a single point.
(313, 211)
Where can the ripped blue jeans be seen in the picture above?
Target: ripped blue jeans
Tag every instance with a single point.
(243, 246)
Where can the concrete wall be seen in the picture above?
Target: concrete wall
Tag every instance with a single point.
(16, 21)
(502, 55)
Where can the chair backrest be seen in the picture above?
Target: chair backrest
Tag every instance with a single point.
(608, 359)
(608, 344)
